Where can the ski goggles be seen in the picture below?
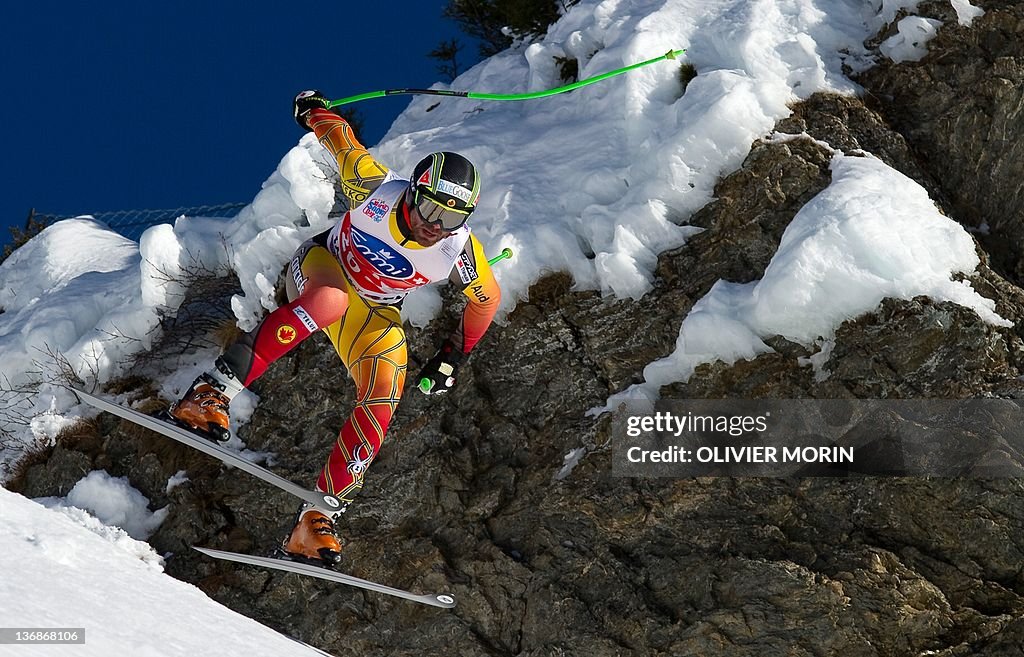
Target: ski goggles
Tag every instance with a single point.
(433, 212)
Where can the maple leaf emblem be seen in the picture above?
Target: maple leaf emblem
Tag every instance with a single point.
(286, 334)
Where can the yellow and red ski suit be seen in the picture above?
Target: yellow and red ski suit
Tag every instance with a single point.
(349, 282)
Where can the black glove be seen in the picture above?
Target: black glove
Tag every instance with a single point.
(438, 375)
(303, 103)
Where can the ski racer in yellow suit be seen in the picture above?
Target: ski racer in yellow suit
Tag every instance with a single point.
(349, 282)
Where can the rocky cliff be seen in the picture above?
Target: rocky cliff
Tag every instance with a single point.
(472, 496)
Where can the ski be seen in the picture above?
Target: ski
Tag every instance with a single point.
(319, 500)
(435, 600)
(322, 501)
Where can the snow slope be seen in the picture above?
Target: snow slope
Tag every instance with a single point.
(66, 569)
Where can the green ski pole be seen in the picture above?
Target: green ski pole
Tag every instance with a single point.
(505, 253)
(425, 384)
(671, 54)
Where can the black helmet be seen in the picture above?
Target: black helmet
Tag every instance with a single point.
(445, 188)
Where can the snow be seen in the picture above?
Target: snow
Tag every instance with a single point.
(179, 478)
(113, 501)
(817, 360)
(908, 44)
(872, 233)
(913, 33)
(570, 461)
(61, 289)
(966, 12)
(63, 568)
(890, 8)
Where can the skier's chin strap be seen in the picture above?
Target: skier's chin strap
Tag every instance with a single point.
(402, 217)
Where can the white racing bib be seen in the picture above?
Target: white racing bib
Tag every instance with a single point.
(367, 242)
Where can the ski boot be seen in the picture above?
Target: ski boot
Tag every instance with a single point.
(204, 408)
(314, 538)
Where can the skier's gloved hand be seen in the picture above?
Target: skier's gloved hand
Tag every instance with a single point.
(304, 102)
(438, 375)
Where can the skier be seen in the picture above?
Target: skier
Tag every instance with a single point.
(349, 282)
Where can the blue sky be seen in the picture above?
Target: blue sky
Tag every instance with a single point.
(142, 105)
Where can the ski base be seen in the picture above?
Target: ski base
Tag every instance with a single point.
(442, 600)
(328, 503)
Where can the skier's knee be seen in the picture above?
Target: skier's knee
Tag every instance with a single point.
(325, 304)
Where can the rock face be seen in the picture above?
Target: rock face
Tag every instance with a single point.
(473, 493)
(961, 110)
